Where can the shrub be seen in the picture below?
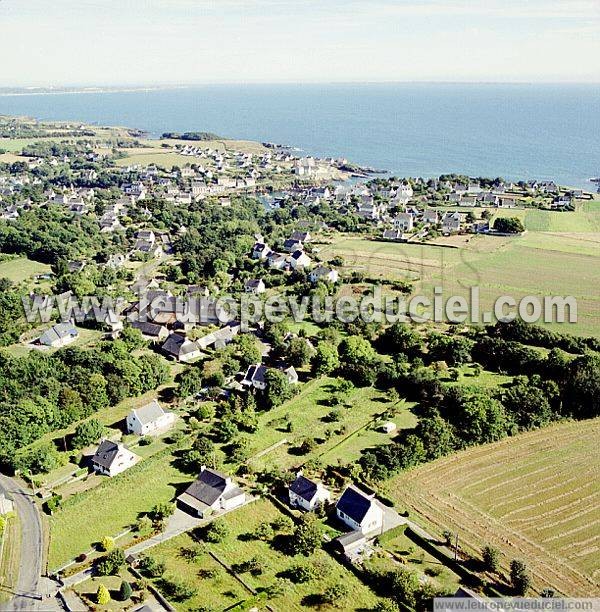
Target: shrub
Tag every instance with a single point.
(217, 531)
(107, 543)
(149, 566)
(103, 595)
(125, 591)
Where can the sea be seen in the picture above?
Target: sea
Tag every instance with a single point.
(515, 131)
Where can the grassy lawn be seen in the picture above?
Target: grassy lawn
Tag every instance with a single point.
(111, 507)
(539, 263)
(89, 589)
(402, 549)
(22, 269)
(308, 412)
(533, 496)
(222, 592)
(10, 546)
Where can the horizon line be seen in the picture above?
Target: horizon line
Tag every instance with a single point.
(8, 89)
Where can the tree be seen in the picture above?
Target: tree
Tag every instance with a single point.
(111, 563)
(301, 573)
(359, 360)
(454, 350)
(247, 350)
(437, 436)
(264, 532)
(326, 358)
(401, 338)
(334, 594)
(299, 352)
(86, 433)
(144, 525)
(178, 589)
(217, 531)
(307, 536)
(102, 595)
(491, 559)
(190, 382)
(278, 388)
(107, 543)
(125, 591)
(405, 586)
(149, 566)
(162, 511)
(519, 577)
(509, 225)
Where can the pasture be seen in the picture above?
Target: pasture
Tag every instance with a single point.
(21, 269)
(557, 256)
(218, 588)
(535, 497)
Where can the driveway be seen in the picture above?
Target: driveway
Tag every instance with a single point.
(179, 522)
(32, 547)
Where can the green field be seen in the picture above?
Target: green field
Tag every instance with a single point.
(559, 255)
(10, 544)
(307, 412)
(535, 497)
(223, 591)
(22, 269)
(111, 507)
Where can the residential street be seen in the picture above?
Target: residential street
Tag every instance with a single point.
(30, 567)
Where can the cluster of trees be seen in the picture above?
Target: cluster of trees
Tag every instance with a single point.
(535, 335)
(50, 235)
(549, 387)
(40, 393)
(509, 225)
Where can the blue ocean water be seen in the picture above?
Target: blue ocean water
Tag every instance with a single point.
(513, 131)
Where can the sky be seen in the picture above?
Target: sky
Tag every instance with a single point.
(163, 42)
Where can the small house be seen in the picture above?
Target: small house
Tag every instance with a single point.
(150, 419)
(307, 494)
(299, 260)
(360, 511)
(255, 286)
(59, 335)
(211, 492)
(112, 458)
(324, 274)
(180, 348)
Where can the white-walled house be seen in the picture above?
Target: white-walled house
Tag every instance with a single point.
(325, 274)
(150, 419)
(360, 511)
(59, 335)
(307, 494)
(299, 260)
(404, 222)
(112, 458)
(211, 492)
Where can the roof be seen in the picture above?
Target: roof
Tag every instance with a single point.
(148, 329)
(208, 487)
(106, 453)
(351, 540)
(174, 343)
(354, 503)
(58, 332)
(256, 373)
(304, 487)
(149, 413)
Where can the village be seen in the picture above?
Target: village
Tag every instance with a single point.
(235, 468)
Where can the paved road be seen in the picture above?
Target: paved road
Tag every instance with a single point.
(30, 568)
